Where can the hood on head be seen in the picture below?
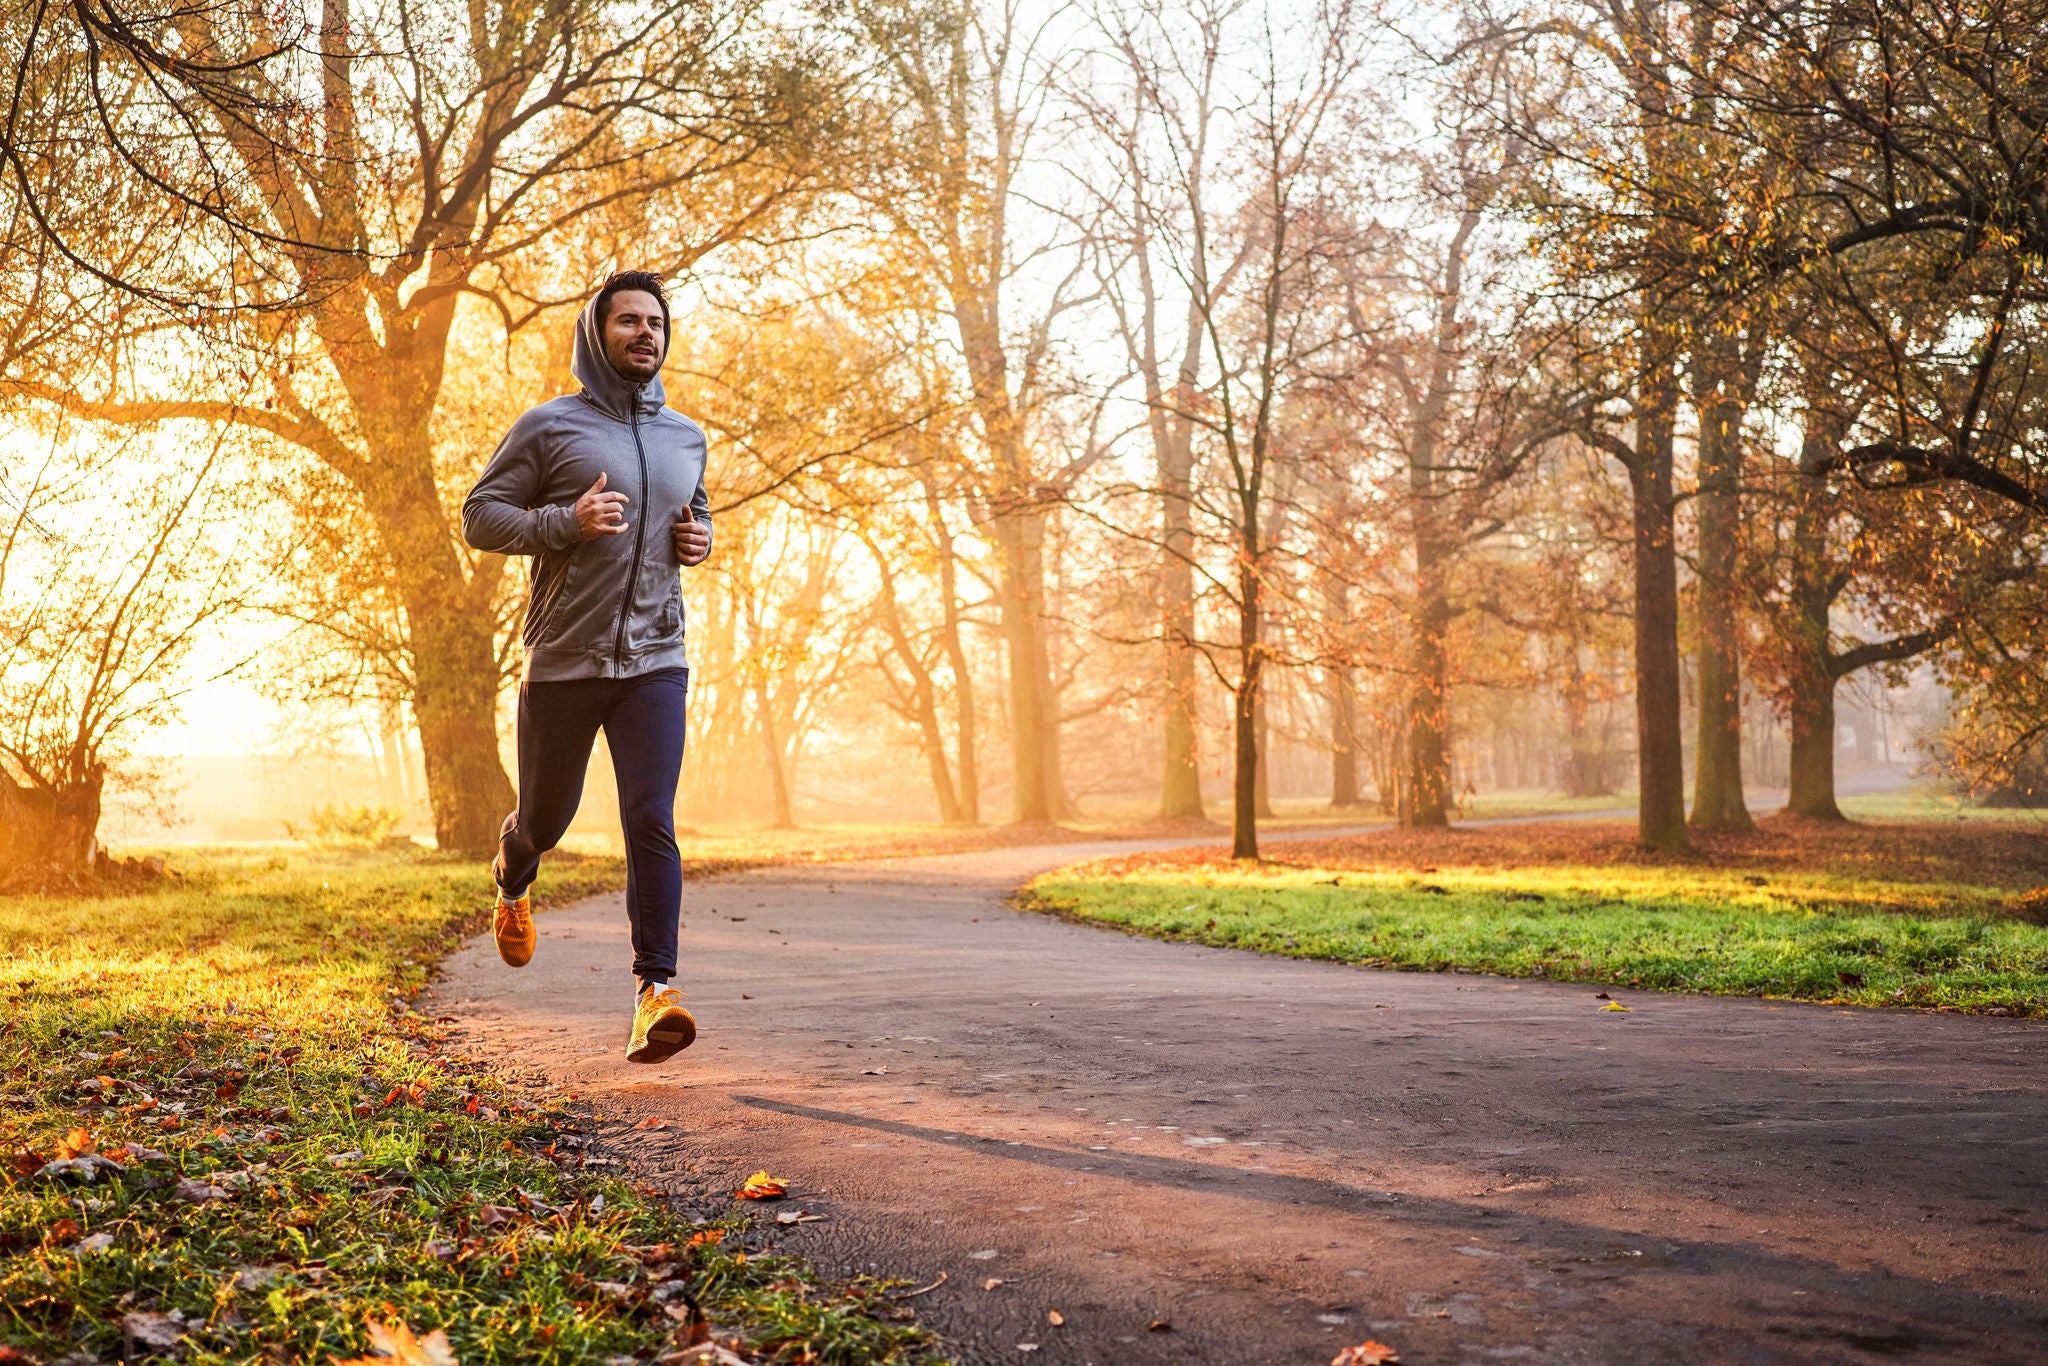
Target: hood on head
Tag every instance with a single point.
(606, 389)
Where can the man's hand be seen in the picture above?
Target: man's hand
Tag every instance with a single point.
(599, 513)
(693, 539)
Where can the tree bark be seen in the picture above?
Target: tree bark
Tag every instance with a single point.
(1810, 675)
(1343, 739)
(965, 745)
(1016, 536)
(1180, 786)
(1262, 790)
(924, 708)
(1244, 803)
(1717, 802)
(771, 755)
(1429, 754)
(49, 829)
(1812, 771)
(1660, 745)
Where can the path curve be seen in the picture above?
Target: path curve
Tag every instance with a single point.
(1279, 1157)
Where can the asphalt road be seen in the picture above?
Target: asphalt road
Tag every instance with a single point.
(1279, 1158)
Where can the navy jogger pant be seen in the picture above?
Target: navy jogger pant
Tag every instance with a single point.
(643, 720)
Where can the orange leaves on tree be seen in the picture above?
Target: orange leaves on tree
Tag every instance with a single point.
(395, 1345)
(762, 1186)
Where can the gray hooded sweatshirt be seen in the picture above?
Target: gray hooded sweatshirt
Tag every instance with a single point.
(611, 607)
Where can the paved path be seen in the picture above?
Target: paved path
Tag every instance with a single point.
(1279, 1157)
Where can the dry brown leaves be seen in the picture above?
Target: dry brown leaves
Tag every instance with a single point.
(1367, 1354)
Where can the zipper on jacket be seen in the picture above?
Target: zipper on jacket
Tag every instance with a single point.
(639, 543)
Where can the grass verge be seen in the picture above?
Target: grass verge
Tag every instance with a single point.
(1919, 915)
(228, 1137)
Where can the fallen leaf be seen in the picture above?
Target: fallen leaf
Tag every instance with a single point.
(1367, 1354)
(798, 1216)
(874, 1071)
(1055, 1317)
(987, 1254)
(135, 1152)
(762, 1186)
(652, 1124)
(62, 1230)
(343, 1159)
(27, 1161)
(492, 1215)
(1849, 979)
(395, 1345)
(1600, 996)
(1159, 1326)
(706, 1235)
(992, 1282)
(1616, 1006)
(1027, 1346)
(10, 1356)
(195, 1192)
(98, 1242)
(77, 1143)
(86, 1168)
(157, 1331)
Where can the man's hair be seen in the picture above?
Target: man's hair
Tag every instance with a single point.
(646, 281)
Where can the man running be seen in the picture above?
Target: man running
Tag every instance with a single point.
(605, 490)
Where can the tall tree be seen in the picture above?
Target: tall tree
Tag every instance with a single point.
(498, 153)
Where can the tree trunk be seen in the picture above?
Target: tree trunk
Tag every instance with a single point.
(450, 627)
(1660, 743)
(956, 659)
(1429, 755)
(49, 829)
(1262, 791)
(1051, 724)
(1244, 805)
(1016, 535)
(924, 692)
(1180, 788)
(1811, 675)
(1343, 739)
(771, 755)
(1812, 775)
(1717, 773)
(455, 703)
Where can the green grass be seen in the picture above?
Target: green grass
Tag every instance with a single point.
(1842, 931)
(252, 1022)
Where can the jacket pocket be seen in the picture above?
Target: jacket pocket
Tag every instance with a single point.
(552, 594)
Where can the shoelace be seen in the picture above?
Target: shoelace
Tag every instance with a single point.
(667, 997)
(517, 917)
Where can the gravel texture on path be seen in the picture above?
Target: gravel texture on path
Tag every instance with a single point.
(1202, 1155)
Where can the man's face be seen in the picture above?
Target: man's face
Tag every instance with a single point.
(634, 334)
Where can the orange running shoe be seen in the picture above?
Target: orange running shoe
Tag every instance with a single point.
(661, 1027)
(512, 927)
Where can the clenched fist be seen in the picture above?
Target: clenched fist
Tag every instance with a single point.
(693, 539)
(599, 513)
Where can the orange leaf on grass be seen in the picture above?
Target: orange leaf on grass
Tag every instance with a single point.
(77, 1143)
(395, 1345)
(1367, 1354)
(762, 1186)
